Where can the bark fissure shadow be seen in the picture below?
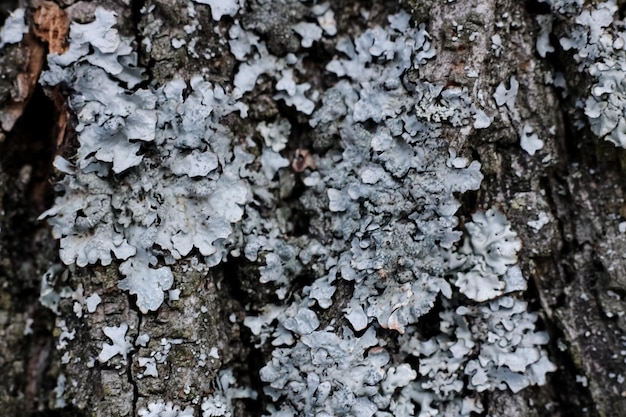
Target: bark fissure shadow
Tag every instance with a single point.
(242, 287)
(27, 249)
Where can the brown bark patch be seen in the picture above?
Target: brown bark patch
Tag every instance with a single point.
(51, 26)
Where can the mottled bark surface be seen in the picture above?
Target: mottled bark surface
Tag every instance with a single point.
(575, 263)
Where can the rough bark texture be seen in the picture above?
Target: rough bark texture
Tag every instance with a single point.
(575, 263)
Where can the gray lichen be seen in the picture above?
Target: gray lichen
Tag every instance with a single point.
(328, 374)
(14, 28)
(159, 178)
(176, 200)
(598, 43)
(390, 205)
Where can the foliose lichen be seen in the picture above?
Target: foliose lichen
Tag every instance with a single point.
(116, 200)
(14, 27)
(388, 198)
(158, 178)
(597, 41)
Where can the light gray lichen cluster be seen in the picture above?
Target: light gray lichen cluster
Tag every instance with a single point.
(158, 178)
(493, 344)
(14, 27)
(328, 374)
(155, 174)
(483, 266)
(598, 42)
(217, 404)
(390, 190)
(388, 198)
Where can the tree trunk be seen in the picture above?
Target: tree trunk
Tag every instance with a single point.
(267, 186)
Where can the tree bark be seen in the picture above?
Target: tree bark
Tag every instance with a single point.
(574, 263)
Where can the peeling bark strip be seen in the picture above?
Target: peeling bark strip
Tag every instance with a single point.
(419, 188)
(50, 24)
